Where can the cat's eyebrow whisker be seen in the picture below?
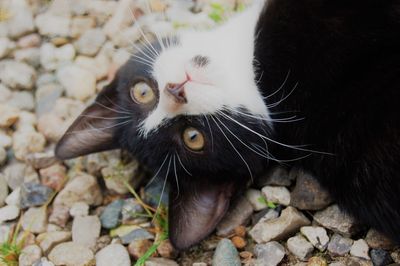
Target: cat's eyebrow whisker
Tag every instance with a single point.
(283, 99)
(176, 178)
(163, 188)
(233, 146)
(180, 162)
(280, 88)
(111, 109)
(158, 171)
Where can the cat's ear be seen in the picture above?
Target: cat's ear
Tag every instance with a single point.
(196, 210)
(93, 130)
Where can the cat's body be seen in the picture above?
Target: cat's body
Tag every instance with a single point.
(207, 117)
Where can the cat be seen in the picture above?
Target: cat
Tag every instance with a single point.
(309, 83)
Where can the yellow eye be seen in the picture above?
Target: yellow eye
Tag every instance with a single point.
(142, 93)
(193, 139)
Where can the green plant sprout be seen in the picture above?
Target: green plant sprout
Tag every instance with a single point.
(11, 248)
(269, 204)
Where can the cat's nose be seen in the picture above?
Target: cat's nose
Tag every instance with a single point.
(177, 91)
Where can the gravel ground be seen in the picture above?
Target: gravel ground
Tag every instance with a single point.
(54, 57)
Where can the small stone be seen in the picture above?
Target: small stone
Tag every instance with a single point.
(396, 256)
(78, 82)
(59, 215)
(5, 94)
(380, 257)
(111, 216)
(6, 46)
(8, 213)
(31, 56)
(14, 198)
(102, 242)
(33, 194)
(17, 75)
(237, 215)
(5, 140)
(117, 174)
(8, 115)
(129, 209)
(22, 100)
(256, 199)
(52, 58)
(79, 209)
(280, 195)
(161, 262)
(40, 160)
(99, 65)
(52, 25)
(18, 173)
(72, 254)
(114, 254)
(120, 19)
(334, 219)
(3, 158)
(317, 261)
(137, 234)
(275, 229)
(86, 230)
(54, 176)
(29, 41)
(46, 96)
(269, 254)
(360, 249)
(50, 239)
(300, 247)
(90, 42)
(29, 255)
(5, 231)
(339, 245)
(3, 188)
(316, 235)
(166, 250)
(43, 262)
(277, 176)
(139, 247)
(377, 240)
(226, 254)
(21, 21)
(81, 24)
(239, 242)
(308, 193)
(35, 220)
(26, 142)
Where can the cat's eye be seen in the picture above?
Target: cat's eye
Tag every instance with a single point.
(142, 93)
(193, 139)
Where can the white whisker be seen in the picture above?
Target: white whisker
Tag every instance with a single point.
(158, 171)
(180, 162)
(176, 179)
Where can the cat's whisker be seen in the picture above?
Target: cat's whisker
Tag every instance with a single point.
(116, 105)
(281, 87)
(104, 118)
(111, 109)
(99, 129)
(212, 137)
(283, 99)
(149, 9)
(176, 178)
(233, 146)
(180, 162)
(278, 120)
(281, 161)
(158, 171)
(163, 188)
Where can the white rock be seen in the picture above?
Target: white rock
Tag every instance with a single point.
(21, 21)
(31, 56)
(3, 188)
(280, 195)
(6, 46)
(256, 198)
(29, 255)
(9, 212)
(5, 93)
(99, 65)
(316, 235)
(45, 262)
(52, 57)
(52, 25)
(8, 115)
(26, 142)
(121, 18)
(86, 230)
(5, 231)
(14, 198)
(18, 173)
(90, 42)
(35, 220)
(72, 254)
(81, 24)
(50, 239)
(300, 247)
(114, 254)
(360, 249)
(79, 209)
(17, 75)
(78, 82)
(22, 100)
(5, 140)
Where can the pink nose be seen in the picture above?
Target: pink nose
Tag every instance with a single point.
(177, 91)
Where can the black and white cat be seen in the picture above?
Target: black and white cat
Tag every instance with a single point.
(314, 83)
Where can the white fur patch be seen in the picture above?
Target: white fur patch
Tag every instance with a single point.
(228, 80)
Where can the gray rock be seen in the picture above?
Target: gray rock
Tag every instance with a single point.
(3, 189)
(160, 262)
(90, 42)
(380, 257)
(360, 249)
(78, 82)
(226, 254)
(35, 220)
(316, 235)
(289, 222)
(40, 160)
(264, 215)
(17, 75)
(86, 230)
(111, 216)
(9, 212)
(269, 254)
(300, 247)
(137, 234)
(256, 199)
(308, 193)
(277, 176)
(22, 100)
(29, 255)
(72, 254)
(334, 219)
(33, 194)
(153, 191)
(114, 254)
(339, 245)
(237, 215)
(280, 195)
(377, 240)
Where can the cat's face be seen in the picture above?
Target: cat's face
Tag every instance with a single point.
(191, 111)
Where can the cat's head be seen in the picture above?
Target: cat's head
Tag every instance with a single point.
(189, 109)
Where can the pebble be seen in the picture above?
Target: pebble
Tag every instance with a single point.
(60, 215)
(166, 250)
(50, 239)
(54, 176)
(275, 229)
(277, 176)
(317, 261)
(377, 240)
(22, 100)
(21, 22)
(46, 96)
(81, 24)
(380, 257)
(111, 216)
(334, 219)
(120, 19)
(117, 173)
(43, 262)
(139, 247)
(269, 254)
(256, 199)
(300, 247)
(339, 245)
(102, 242)
(8, 116)
(5, 140)
(8, 213)
(137, 234)
(3, 159)
(226, 254)
(4, 232)
(72, 254)
(114, 254)
(52, 57)
(18, 173)
(26, 142)
(31, 56)
(3, 188)
(29, 41)
(86, 230)
(129, 209)
(316, 235)
(99, 65)
(17, 75)
(79, 209)
(308, 193)
(6, 46)
(360, 249)
(33, 194)
(5, 94)
(39, 160)
(90, 42)
(29, 255)
(14, 198)
(162, 262)
(239, 242)
(78, 82)
(280, 195)
(52, 25)
(35, 220)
